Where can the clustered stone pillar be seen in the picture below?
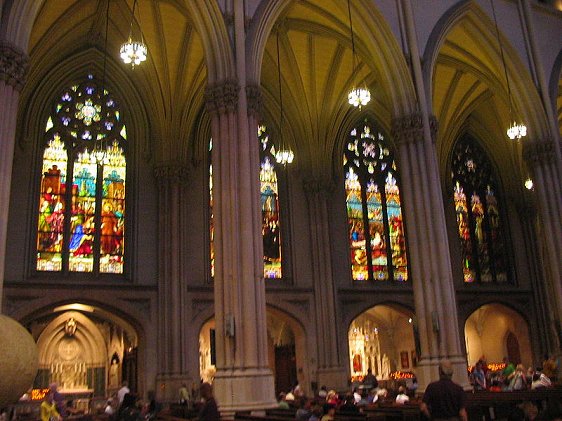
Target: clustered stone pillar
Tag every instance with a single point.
(13, 70)
(330, 368)
(434, 294)
(172, 329)
(541, 158)
(243, 379)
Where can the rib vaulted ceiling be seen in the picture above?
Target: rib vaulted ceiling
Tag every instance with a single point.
(467, 83)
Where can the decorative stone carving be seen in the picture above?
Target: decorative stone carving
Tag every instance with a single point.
(408, 129)
(167, 174)
(539, 151)
(13, 65)
(222, 97)
(255, 103)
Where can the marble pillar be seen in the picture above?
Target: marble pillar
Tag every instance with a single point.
(540, 155)
(430, 265)
(172, 329)
(331, 367)
(13, 70)
(243, 379)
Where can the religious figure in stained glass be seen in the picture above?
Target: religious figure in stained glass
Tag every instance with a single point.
(377, 240)
(478, 214)
(269, 201)
(88, 235)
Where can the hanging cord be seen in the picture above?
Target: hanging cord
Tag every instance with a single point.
(280, 94)
(352, 37)
(503, 61)
(102, 93)
(132, 19)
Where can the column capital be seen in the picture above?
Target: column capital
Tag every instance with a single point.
(409, 128)
(171, 173)
(539, 151)
(13, 65)
(254, 97)
(222, 96)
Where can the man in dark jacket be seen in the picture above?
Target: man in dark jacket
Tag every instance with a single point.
(444, 399)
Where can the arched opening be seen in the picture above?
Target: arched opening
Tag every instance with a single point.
(494, 332)
(86, 350)
(382, 339)
(286, 351)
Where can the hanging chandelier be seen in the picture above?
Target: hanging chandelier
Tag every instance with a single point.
(133, 52)
(357, 96)
(517, 130)
(284, 155)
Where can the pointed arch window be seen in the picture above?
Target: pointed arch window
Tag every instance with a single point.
(377, 241)
(478, 213)
(81, 218)
(269, 202)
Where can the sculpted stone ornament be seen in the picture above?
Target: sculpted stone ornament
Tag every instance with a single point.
(13, 65)
(19, 360)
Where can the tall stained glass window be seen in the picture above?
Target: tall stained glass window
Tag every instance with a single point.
(377, 241)
(211, 213)
(478, 214)
(81, 218)
(269, 201)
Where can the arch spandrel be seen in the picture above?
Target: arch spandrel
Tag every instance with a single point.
(316, 64)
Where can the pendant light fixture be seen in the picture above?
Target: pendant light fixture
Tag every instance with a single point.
(133, 52)
(283, 155)
(357, 96)
(99, 149)
(516, 130)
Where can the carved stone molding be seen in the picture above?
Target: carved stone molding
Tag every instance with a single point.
(222, 97)
(171, 174)
(409, 129)
(255, 103)
(540, 151)
(13, 65)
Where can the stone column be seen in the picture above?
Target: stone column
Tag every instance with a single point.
(541, 159)
(172, 327)
(13, 70)
(331, 369)
(430, 265)
(243, 379)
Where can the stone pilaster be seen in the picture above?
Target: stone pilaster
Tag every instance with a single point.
(243, 380)
(13, 70)
(173, 330)
(540, 156)
(434, 293)
(331, 369)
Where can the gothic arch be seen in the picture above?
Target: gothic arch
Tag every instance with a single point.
(478, 26)
(490, 321)
(207, 18)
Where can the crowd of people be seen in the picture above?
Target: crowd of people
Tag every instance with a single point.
(513, 376)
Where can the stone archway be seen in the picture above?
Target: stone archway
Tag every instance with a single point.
(382, 339)
(82, 350)
(495, 331)
(286, 351)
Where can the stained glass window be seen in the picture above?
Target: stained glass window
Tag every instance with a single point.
(81, 224)
(269, 201)
(211, 217)
(478, 214)
(377, 240)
